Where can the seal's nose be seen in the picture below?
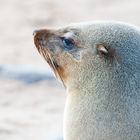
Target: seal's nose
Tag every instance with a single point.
(41, 32)
(34, 32)
(40, 36)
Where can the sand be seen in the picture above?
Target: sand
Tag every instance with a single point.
(34, 111)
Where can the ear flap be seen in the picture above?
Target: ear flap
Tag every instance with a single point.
(102, 49)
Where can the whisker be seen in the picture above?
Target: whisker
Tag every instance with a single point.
(55, 70)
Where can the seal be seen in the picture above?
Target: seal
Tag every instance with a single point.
(99, 64)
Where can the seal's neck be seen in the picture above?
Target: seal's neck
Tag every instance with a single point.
(89, 103)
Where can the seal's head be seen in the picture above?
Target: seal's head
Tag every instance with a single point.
(81, 51)
(61, 49)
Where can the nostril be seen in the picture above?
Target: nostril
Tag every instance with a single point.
(35, 32)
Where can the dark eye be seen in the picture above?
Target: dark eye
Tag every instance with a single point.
(68, 43)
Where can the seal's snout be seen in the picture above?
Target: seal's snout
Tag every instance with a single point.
(40, 33)
(40, 36)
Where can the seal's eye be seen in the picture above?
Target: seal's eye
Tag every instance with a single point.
(68, 43)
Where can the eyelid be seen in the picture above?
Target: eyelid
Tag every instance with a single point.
(72, 40)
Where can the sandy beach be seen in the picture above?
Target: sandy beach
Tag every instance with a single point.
(31, 100)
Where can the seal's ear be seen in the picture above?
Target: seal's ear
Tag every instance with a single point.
(106, 52)
(102, 49)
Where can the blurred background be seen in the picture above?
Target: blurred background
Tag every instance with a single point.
(31, 100)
